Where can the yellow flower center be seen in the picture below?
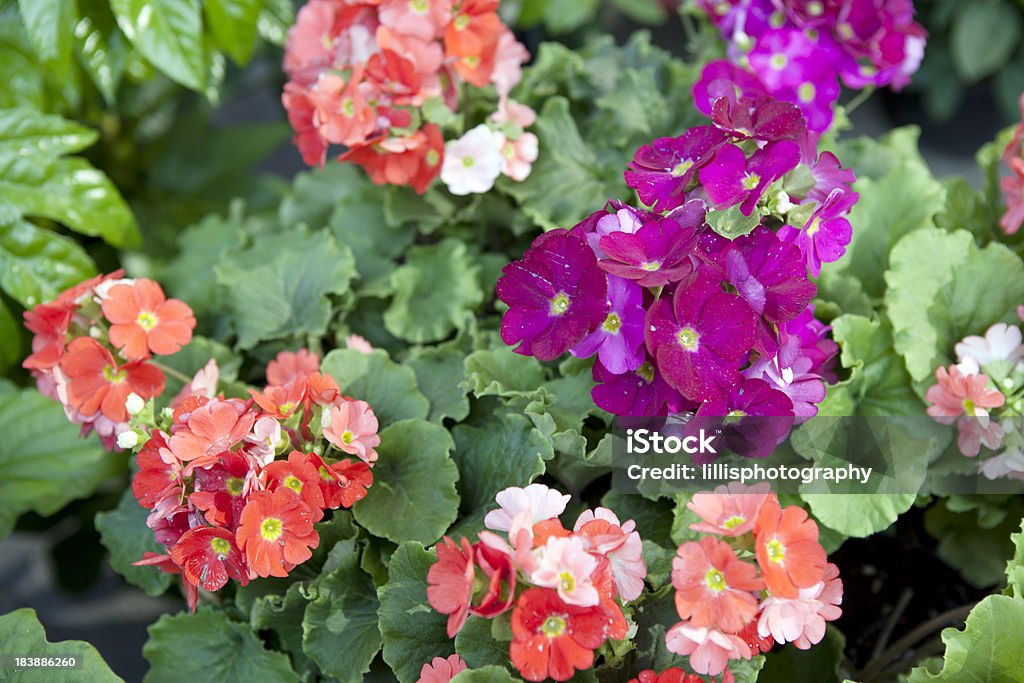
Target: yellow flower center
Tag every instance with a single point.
(734, 522)
(682, 167)
(348, 107)
(776, 551)
(419, 6)
(433, 157)
(293, 482)
(286, 408)
(461, 22)
(688, 338)
(814, 227)
(468, 162)
(271, 529)
(715, 580)
(806, 92)
(612, 323)
(347, 436)
(553, 626)
(234, 486)
(147, 320)
(969, 406)
(778, 61)
(560, 304)
(646, 372)
(471, 62)
(220, 545)
(567, 582)
(113, 375)
(751, 181)
(651, 266)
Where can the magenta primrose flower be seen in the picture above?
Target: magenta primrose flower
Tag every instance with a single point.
(827, 232)
(659, 253)
(753, 416)
(724, 79)
(639, 392)
(699, 335)
(661, 171)
(731, 178)
(618, 341)
(762, 118)
(556, 296)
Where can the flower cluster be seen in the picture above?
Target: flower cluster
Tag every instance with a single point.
(378, 76)
(983, 394)
(565, 588)
(797, 51)
(680, 317)
(94, 345)
(736, 603)
(235, 486)
(1013, 184)
(677, 675)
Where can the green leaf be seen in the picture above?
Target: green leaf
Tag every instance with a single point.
(477, 646)
(44, 464)
(278, 288)
(562, 16)
(957, 290)
(233, 23)
(883, 215)
(49, 24)
(201, 247)
(25, 83)
(169, 34)
(26, 132)
(644, 11)
(978, 548)
(10, 338)
(439, 374)
(413, 632)
(21, 633)
(207, 646)
(502, 372)
(987, 649)
(389, 388)
(983, 37)
(283, 614)
(414, 496)
(731, 222)
(820, 663)
(434, 289)
(124, 534)
(1015, 567)
(878, 382)
(101, 48)
(194, 356)
(485, 674)
(567, 182)
(504, 450)
(340, 627)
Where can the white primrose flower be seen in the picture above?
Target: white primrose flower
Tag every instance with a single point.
(473, 162)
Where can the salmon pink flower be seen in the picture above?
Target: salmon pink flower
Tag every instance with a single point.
(509, 57)
(673, 675)
(956, 394)
(565, 565)
(537, 500)
(288, 365)
(280, 402)
(352, 427)
(972, 432)
(657, 254)
(210, 430)
(518, 156)
(155, 478)
(49, 324)
(497, 576)
(788, 551)
(276, 532)
(731, 510)
(144, 321)
(551, 639)
(439, 669)
(354, 341)
(709, 649)
(341, 112)
(450, 582)
(300, 476)
(714, 588)
(698, 335)
(557, 295)
(801, 620)
(621, 544)
(221, 490)
(208, 557)
(661, 171)
(95, 382)
(344, 482)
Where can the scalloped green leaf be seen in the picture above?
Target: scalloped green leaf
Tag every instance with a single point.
(207, 647)
(21, 633)
(233, 24)
(169, 34)
(434, 290)
(389, 388)
(412, 631)
(414, 496)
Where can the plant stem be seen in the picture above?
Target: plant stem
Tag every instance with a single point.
(890, 623)
(171, 372)
(953, 616)
(860, 99)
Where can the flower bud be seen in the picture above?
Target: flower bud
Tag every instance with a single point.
(126, 440)
(134, 404)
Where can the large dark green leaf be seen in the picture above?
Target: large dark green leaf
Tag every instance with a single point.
(22, 634)
(37, 264)
(168, 33)
(388, 387)
(50, 26)
(984, 35)
(206, 647)
(233, 23)
(44, 464)
(125, 535)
